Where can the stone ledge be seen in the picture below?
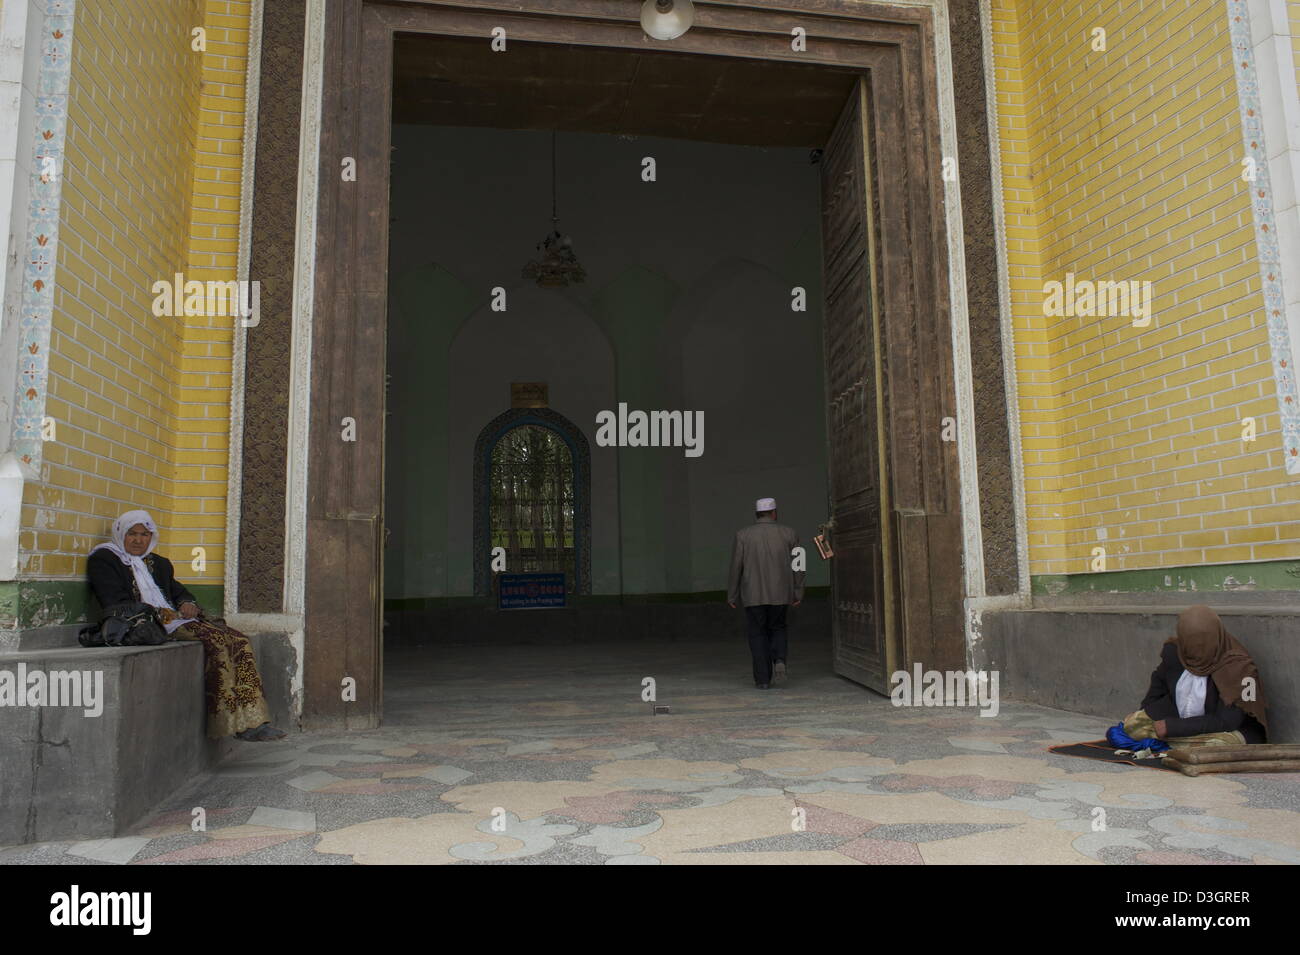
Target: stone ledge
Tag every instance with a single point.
(44, 638)
(69, 776)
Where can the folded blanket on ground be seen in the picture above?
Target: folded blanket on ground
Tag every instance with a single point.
(1228, 754)
(1256, 758)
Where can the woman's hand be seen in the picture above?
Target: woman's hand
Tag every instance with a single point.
(189, 610)
(1162, 729)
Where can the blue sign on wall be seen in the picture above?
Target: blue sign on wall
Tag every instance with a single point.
(530, 591)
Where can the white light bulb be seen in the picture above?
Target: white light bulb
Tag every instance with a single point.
(668, 25)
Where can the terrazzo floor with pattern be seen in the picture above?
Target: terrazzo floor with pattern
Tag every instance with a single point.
(543, 755)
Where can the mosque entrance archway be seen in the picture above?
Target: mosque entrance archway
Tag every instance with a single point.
(900, 536)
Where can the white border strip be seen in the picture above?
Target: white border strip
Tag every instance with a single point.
(304, 295)
(235, 467)
(21, 26)
(1009, 370)
(38, 253)
(1269, 104)
(972, 529)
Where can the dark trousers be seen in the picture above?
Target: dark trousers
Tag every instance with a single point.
(765, 624)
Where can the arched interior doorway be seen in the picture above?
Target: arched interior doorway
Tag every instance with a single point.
(532, 498)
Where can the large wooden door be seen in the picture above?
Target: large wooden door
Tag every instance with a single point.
(861, 605)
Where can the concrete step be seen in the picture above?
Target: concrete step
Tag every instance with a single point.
(70, 772)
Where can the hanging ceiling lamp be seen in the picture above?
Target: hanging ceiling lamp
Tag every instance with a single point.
(667, 19)
(559, 265)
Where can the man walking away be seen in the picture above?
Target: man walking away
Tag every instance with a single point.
(762, 578)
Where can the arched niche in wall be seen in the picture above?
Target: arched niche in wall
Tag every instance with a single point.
(577, 521)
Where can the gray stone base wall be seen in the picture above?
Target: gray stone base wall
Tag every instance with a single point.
(68, 775)
(65, 775)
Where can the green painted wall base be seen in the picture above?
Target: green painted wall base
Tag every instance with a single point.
(30, 604)
(1210, 578)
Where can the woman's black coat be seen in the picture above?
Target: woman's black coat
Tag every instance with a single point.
(1220, 717)
(113, 582)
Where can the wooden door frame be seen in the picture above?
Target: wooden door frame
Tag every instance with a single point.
(343, 585)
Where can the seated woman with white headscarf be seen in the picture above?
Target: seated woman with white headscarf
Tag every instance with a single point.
(126, 570)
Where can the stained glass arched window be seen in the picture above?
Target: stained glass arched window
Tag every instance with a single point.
(531, 507)
(532, 497)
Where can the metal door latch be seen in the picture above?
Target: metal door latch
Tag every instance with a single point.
(823, 541)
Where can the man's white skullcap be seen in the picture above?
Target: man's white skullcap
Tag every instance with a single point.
(765, 504)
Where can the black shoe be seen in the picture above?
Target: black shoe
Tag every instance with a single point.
(761, 686)
(262, 734)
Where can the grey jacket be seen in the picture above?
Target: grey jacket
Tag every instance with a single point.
(760, 565)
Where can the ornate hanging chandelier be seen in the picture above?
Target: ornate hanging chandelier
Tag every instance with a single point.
(559, 264)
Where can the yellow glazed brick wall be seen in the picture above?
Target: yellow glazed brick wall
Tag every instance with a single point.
(141, 401)
(125, 206)
(203, 410)
(1125, 165)
(1038, 419)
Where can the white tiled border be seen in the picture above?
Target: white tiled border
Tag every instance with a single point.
(1270, 121)
(38, 248)
(21, 22)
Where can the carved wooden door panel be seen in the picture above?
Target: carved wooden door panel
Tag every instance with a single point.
(860, 597)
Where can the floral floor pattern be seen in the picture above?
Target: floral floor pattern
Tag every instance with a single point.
(528, 767)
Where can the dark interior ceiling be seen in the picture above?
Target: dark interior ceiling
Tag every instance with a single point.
(457, 81)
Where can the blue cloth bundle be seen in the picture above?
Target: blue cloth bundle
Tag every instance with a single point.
(1121, 740)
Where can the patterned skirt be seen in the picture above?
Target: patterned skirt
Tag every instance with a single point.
(233, 688)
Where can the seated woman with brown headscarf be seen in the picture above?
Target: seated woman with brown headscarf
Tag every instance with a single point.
(125, 570)
(1205, 690)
